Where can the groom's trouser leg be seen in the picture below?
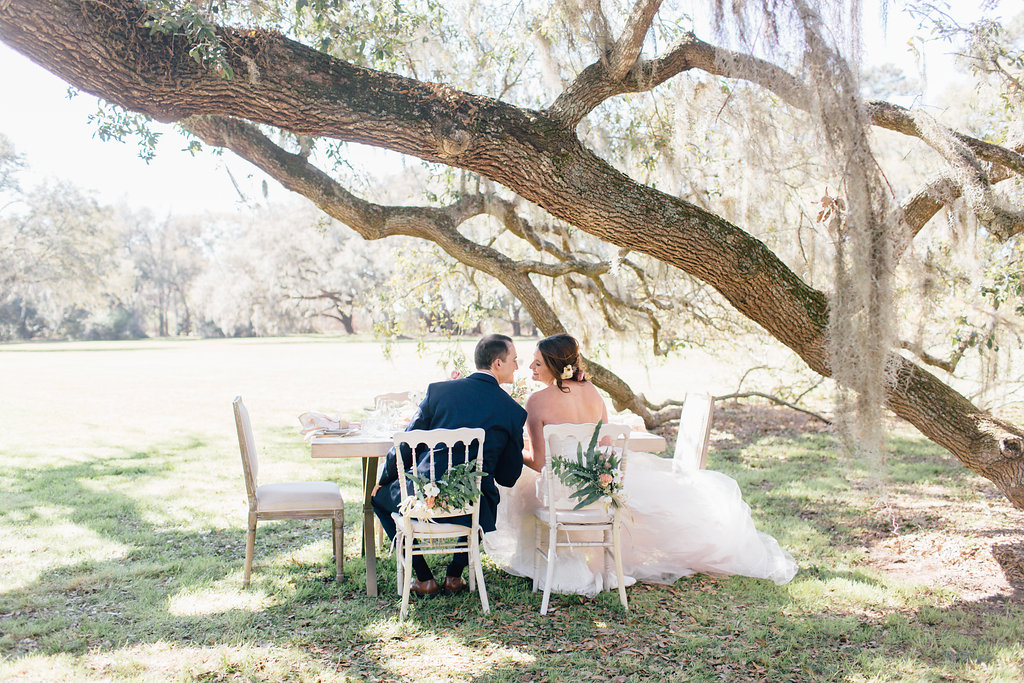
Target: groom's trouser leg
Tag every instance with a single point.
(383, 506)
(460, 560)
(459, 563)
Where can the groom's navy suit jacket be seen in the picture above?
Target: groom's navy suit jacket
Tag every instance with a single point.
(474, 401)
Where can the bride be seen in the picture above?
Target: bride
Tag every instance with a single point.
(677, 523)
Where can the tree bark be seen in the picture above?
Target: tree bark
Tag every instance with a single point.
(346, 321)
(104, 49)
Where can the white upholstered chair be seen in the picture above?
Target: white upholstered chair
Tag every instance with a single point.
(694, 432)
(392, 397)
(293, 500)
(434, 535)
(562, 522)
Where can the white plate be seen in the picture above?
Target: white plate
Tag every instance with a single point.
(338, 432)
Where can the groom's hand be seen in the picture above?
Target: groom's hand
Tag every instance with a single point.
(375, 489)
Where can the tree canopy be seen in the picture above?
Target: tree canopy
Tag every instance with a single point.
(616, 121)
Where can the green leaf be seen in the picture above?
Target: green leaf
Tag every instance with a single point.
(593, 497)
(593, 440)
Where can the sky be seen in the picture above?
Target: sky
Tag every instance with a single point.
(53, 134)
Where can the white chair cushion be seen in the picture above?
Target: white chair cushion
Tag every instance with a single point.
(584, 516)
(298, 496)
(424, 528)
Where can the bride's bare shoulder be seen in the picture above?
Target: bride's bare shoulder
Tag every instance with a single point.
(538, 398)
(585, 391)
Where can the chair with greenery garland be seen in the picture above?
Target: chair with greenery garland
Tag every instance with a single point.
(591, 515)
(420, 526)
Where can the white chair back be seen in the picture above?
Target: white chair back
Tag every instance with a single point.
(562, 440)
(433, 439)
(392, 397)
(425, 532)
(247, 447)
(694, 431)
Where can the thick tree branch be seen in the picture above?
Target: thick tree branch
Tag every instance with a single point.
(594, 85)
(949, 365)
(627, 47)
(563, 268)
(901, 120)
(921, 205)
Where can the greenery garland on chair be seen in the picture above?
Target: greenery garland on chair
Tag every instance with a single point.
(457, 489)
(594, 476)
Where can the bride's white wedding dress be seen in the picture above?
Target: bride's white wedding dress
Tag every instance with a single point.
(677, 523)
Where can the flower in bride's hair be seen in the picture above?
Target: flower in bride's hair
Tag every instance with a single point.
(567, 372)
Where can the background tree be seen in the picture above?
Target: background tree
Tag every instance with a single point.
(58, 246)
(166, 256)
(286, 270)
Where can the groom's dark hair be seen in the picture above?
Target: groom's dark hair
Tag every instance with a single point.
(490, 348)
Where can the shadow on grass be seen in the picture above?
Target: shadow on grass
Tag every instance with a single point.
(96, 604)
(182, 587)
(1010, 557)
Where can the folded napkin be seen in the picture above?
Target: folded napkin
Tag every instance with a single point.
(313, 421)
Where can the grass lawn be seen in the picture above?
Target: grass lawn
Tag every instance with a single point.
(122, 525)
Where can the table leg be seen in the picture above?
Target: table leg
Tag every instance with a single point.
(369, 542)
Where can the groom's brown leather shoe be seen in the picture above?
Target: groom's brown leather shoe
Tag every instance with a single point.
(425, 588)
(454, 584)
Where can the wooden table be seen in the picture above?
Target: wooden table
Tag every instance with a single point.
(646, 442)
(369, 449)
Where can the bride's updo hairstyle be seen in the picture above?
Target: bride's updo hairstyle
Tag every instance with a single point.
(561, 354)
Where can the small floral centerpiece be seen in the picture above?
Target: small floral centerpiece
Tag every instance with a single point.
(456, 490)
(520, 390)
(593, 476)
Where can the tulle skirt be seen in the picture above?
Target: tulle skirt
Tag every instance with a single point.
(676, 523)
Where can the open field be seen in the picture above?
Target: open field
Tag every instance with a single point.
(122, 535)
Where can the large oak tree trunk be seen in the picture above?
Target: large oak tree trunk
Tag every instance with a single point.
(103, 48)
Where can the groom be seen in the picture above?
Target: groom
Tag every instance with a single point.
(475, 401)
